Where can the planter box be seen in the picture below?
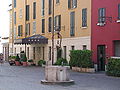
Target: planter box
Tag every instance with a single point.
(17, 63)
(78, 69)
(74, 68)
(24, 63)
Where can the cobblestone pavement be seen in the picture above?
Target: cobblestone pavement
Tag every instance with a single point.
(28, 78)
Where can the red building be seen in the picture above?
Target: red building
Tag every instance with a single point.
(105, 31)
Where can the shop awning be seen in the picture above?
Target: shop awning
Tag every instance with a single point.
(35, 39)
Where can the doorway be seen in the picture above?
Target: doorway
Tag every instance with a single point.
(101, 57)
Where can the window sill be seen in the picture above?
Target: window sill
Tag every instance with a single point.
(57, 4)
(100, 24)
(84, 27)
(43, 33)
(114, 57)
(72, 8)
(118, 21)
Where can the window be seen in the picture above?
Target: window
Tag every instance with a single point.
(50, 24)
(72, 23)
(84, 47)
(58, 22)
(14, 3)
(34, 10)
(84, 17)
(119, 11)
(15, 50)
(28, 52)
(43, 7)
(33, 52)
(50, 7)
(49, 53)
(57, 1)
(20, 49)
(43, 25)
(15, 30)
(34, 27)
(27, 12)
(72, 47)
(14, 17)
(65, 52)
(20, 30)
(72, 4)
(20, 13)
(117, 48)
(43, 53)
(28, 29)
(101, 17)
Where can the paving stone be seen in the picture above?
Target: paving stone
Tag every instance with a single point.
(29, 78)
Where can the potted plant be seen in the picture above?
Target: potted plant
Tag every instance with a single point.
(11, 60)
(24, 60)
(41, 63)
(17, 60)
(30, 62)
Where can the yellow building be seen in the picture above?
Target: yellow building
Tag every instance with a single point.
(72, 18)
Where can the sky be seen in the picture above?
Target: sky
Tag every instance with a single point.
(4, 20)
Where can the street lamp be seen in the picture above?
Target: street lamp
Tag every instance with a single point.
(53, 34)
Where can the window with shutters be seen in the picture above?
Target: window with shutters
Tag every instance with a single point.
(101, 17)
(14, 3)
(28, 29)
(64, 52)
(20, 13)
(119, 11)
(14, 17)
(84, 47)
(43, 53)
(57, 23)
(34, 27)
(50, 7)
(43, 25)
(84, 17)
(34, 10)
(34, 52)
(72, 47)
(72, 4)
(50, 53)
(15, 34)
(20, 30)
(50, 24)
(72, 23)
(28, 52)
(27, 12)
(57, 1)
(43, 7)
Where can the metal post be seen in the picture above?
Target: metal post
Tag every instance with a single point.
(53, 34)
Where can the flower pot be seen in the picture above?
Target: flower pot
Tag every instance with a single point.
(24, 63)
(17, 63)
(91, 70)
(74, 68)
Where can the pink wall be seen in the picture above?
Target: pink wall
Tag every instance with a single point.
(106, 34)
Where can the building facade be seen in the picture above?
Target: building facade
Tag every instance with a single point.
(105, 31)
(34, 17)
(5, 48)
(6, 51)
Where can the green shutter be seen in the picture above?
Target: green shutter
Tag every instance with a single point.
(84, 17)
(27, 12)
(34, 10)
(72, 23)
(69, 4)
(119, 11)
